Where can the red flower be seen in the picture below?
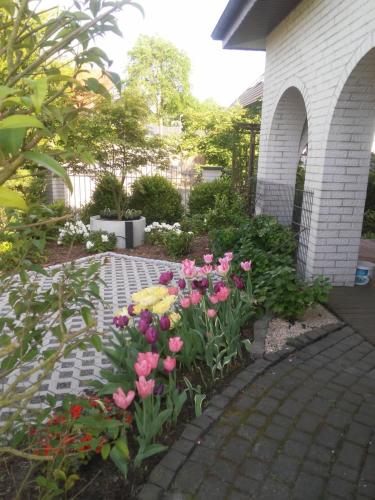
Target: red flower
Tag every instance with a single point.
(86, 437)
(128, 418)
(75, 411)
(32, 431)
(47, 449)
(84, 448)
(68, 439)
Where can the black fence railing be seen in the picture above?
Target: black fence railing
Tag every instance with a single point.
(291, 206)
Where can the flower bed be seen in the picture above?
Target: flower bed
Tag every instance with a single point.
(171, 345)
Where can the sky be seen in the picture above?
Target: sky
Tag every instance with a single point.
(216, 73)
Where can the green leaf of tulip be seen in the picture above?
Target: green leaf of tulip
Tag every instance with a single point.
(51, 164)
(20, 121)
(123, 448)
(11, 199)
(119, 461)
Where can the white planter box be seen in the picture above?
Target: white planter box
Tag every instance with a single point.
(129, 234)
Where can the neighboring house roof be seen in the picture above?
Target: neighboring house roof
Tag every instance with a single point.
(245, 24)
(252, 94)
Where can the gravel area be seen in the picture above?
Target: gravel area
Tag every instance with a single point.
(280, 330)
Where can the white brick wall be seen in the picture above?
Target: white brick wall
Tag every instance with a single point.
(320, 65)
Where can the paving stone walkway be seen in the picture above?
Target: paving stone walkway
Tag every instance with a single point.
(122, 275)
(302, 429)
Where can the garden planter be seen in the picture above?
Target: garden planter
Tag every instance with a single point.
(129, 233)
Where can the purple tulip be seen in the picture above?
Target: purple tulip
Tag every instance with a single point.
(146, 316)
(165, 323)
(218, 286)
(239, 282)
(204, 283)
(166, 277)
(151, 335)
(159, 389)
(120, 321)
(182, 284)
(143, 325)
(131, 310)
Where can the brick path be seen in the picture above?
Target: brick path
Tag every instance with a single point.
(303, 429)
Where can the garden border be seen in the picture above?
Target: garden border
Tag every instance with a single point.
(164, 472)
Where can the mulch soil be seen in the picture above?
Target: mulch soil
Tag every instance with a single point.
(57, 254)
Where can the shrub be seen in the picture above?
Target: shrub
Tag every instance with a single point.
(370, 197)
(157, 198)
(271, 247)
(109, 194)
(226, 211)
(368, 229)
(195, 223)
(100, 241)
(202, 196)
(176, 242)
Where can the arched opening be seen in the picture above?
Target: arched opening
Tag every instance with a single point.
(281, 156)
(345, 175)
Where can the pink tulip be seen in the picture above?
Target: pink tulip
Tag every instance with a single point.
(188, 268)
(142, 368)
(246, 266)
(173, 290)
(145, 387)
(195, 298)
(206, 269)
(175, 344)
(169, 364)
(228, 256)
(208, 258)
(152, 359)
(223, 294)
(223, 267)
(213, 299)
(211, 313)
(123, 400)
(185, 302)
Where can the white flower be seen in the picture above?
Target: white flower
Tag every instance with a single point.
(89, 244)
(104, 238)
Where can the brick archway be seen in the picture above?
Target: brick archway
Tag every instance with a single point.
(280, 156)
(345, 175)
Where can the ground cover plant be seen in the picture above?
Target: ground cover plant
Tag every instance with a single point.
(276, 284)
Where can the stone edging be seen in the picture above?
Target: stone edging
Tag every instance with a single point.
(164, 473)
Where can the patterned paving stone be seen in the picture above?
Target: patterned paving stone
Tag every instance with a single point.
(307, 433)
(122, 275)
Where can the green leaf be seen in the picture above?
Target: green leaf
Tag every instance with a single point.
(21, 121)
(120, 462)
(40, 90)
(4, 90)
(122, 447)
(115, 79)
(11, 140)
(247, 345)
(11, 199)
(95, 86)
(153, 449)
(198, 400)
(106, 448)
(97, 342)
(51, 164)
(86, 315)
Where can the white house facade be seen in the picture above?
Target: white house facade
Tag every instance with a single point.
(320, 84)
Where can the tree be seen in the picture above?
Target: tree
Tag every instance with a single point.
(161, 72)
(116, 135)
(209, 130)
(36, 48)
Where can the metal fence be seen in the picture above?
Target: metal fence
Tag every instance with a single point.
(181, 174)
(291, 206)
